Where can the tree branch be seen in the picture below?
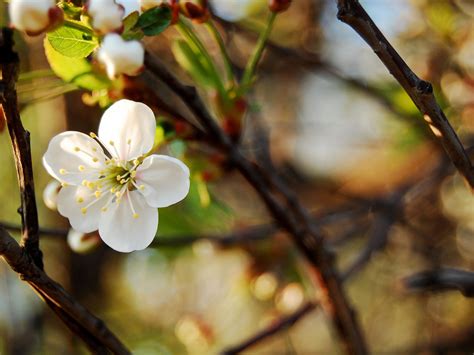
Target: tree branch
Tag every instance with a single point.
(21, 262)
(352, 13)
(20, 138)
(274, 328)
(290, 215)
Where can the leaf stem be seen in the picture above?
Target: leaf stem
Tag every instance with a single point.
(257, 54)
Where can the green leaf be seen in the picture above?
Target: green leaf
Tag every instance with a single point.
(154, 21)
(130, 21)
(72, 42)
(192, 62)
(75, 70)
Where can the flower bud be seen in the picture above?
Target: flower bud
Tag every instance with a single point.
(106, 15)
(279, 5)
(50, 194)
(236, 10)
(120, 56)
(196, 10)
(34, 17)
(82, 243)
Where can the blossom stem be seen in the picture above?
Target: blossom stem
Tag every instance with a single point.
(257, 54)
(194, 41)
(211, 27)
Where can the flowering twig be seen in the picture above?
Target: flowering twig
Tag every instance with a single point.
(26, 260)
(352, 13)
(291, 216)
(274, 328)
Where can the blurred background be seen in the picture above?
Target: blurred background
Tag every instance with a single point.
(342, 133)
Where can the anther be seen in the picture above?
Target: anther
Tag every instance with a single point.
(136, 161)
(103, 209)
(95, 160)
(80, 200)
(77, 149)
(111, 143)
(129, 141)
(94, 149)
(141, 187)
(83, 210)
(123, 181)
(84, 182)
(62, 171)
(81, 168)
(135, 215)
(90, 185)
(97, 194)
(64, 184)
(92, 135)
(133, 173)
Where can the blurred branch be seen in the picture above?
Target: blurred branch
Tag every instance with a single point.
(20, 138)
(352, 13)
(274, 328)
(442, 279)
(21, 262)
(290, 215)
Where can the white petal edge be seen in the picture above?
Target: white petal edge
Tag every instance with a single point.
(69, 207)
(165, 180)
(128, 121)
(61, 154)
(124, 233)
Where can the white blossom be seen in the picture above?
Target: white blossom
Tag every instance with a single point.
(82, 243)
(236, 10)
(31, 16)
(116, 191)
(129, 6)
(50, 195)
(120, 56)
(106, 15)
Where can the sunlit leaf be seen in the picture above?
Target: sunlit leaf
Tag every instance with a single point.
(71, 42)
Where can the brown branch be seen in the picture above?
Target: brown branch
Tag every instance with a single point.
(21, 262)
(274, 328)
(290, 215)
(352, 13)
(21, 147)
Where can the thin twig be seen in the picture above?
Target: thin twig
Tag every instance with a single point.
(442, 279)
(352, 13)
(290, 215)
(274, 328)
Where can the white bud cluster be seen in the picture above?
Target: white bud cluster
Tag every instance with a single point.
(33, 16)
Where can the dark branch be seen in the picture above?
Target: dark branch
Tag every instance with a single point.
(352, 13)
(54, 294)
(20, 138)
(275, 328)
(441, 280)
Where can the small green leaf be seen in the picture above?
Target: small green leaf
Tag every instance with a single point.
(75, 70)
(193, 63)
(130, 21)
(72, 42)
(154, 21)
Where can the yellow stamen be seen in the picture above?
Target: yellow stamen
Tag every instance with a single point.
(92, 135)
(97, 194)
(81, 168)
(135, 215)
(80, 200)
(77, 149)
(83, 210)
(95, 160)
(62, 171)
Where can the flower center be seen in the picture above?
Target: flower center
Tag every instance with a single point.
(110, 183)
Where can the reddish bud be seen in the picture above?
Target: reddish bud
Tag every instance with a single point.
(279, 5)
(196, 10)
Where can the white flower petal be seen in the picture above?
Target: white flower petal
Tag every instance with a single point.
(120, 56)
(165, 180)
(50, 194)
(71, 200)
(121, 231)
(106, 15)
(30, 15)
(79, 155)
(131, 126)
(129, 6)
